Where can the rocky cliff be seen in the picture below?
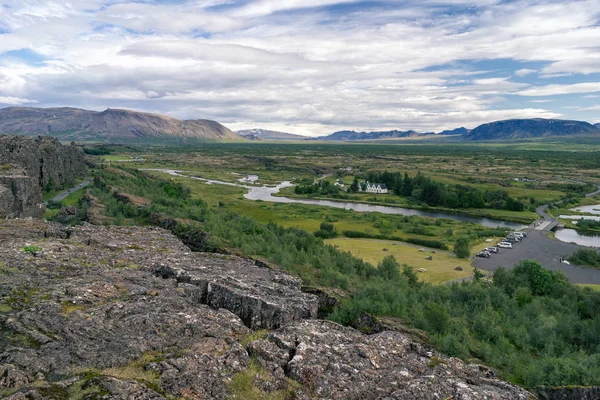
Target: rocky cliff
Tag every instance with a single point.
(131, 313)
(112, 125)
(29, 164)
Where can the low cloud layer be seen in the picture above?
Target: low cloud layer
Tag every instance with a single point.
(309, 66)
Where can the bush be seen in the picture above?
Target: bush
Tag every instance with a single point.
(588, 224)
(326, 231)
(462, 248)
(436, 244)
(587, 257)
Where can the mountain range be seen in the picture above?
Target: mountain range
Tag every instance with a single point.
(353, 135)
(530, 128)
(126, 126)
(512, 129)
(111, 125)
(260, 134)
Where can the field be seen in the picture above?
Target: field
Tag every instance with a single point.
(441, 268)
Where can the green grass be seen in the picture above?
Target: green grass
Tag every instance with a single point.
(31, 249)
(53, 193)
(591, 286)
(440, 269)
(243, 385)
(71, 200)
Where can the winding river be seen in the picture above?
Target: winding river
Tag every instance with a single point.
(265, 193)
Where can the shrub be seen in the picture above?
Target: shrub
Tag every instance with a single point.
(462, 248)
(588, 257)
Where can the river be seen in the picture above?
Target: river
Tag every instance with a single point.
(573, 236)
(265, 193)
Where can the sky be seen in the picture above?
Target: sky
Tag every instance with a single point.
(310, 67)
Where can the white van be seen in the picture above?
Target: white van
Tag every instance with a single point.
(505, 245)
(518, 234)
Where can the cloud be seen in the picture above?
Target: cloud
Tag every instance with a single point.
(524, 71)
(593, 108)
(15, 100)
(314, 65)
(552, 90)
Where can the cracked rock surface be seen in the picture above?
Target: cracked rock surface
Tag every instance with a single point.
(131, 313)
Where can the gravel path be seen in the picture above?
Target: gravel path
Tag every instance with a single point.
(64, 194)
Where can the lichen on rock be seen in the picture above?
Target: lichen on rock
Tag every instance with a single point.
(132, 313)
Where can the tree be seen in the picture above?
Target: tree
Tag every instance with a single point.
(478, 275)
(410, 274)
(461, 248)
(389, 268)
(354, 185)
(437, 317)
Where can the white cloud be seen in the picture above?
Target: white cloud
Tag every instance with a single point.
(15, 100)
(294, 65)
(524, 71)
(592, 108)
(551, 90)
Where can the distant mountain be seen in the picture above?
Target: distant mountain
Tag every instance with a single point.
(258, 134)
(457, 131)
(597, 125)
(530, 128)
(111, 125)
(353, 135)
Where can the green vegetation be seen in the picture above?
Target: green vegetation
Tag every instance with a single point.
(588, 224)
(32, 249)
(243, 385)
(587, 257)
(441, 268)
(326, 231)
(462, 249)
(530, 323)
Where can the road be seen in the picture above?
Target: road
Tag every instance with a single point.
(546, 223)
(537, 246)
(67, 192)
(593, 193)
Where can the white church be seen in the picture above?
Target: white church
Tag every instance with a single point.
(373, 187)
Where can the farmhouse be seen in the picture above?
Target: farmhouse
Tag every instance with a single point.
(338, 182)
(373, 187)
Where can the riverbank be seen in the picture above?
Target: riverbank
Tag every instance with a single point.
(502, 215)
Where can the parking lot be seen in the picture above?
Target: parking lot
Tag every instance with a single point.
(537, 246)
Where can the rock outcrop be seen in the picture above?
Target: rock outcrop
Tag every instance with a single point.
(132, 313)
(27, 165)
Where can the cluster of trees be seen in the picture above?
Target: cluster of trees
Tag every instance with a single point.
(588, 257)
(531, 324)
(322, 187)
(588, 224)
(433, 193)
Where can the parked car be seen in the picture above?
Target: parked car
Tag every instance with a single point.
(505, 245)
(524, 234)
(518, 234)
(483, 254)
(491, 249)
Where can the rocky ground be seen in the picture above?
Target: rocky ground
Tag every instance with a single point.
(131, 313)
